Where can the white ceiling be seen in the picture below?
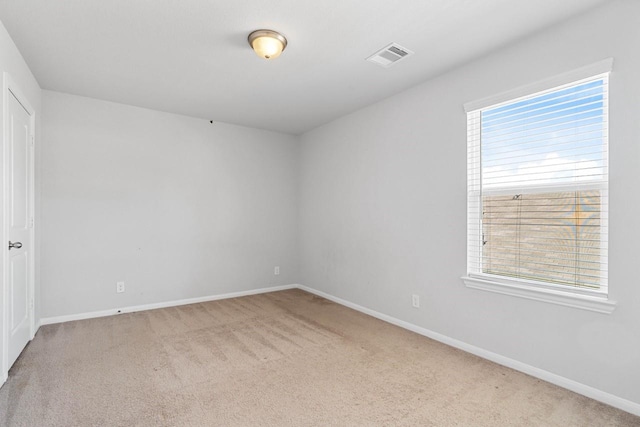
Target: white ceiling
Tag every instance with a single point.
(191, 57)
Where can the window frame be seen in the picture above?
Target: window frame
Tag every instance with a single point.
(588, 299)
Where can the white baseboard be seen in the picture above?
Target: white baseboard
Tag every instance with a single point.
(585, 390)
(132, 309)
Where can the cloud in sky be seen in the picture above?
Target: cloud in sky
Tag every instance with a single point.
(554, 169)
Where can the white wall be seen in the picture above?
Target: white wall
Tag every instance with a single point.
(174, 206)
(11, 61)
(383, 209)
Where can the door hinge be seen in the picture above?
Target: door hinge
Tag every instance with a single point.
(33, 140)
(32, 222)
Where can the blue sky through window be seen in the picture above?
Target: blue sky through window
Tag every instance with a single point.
(553, 138)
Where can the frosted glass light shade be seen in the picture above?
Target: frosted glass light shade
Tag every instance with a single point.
(267, 44)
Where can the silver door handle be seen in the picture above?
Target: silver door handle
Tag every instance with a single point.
(16, 245)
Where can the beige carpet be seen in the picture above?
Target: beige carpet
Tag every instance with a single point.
(284, 358)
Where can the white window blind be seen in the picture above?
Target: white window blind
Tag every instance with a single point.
(538, 188)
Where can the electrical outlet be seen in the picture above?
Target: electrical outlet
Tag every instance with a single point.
(415, 301)
(120, 287)
(276, 270)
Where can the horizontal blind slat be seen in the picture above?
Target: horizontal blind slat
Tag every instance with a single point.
(545, 95)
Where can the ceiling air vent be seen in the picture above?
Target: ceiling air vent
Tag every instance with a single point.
(389, 55)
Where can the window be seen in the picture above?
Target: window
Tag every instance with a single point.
(538, 194)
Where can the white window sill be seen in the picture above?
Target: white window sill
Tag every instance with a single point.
(568, 299)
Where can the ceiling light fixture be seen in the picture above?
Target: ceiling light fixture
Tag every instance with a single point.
(268, 44)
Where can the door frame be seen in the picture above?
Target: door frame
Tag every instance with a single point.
(10, 88)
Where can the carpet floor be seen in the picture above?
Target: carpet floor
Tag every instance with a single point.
(279, 359)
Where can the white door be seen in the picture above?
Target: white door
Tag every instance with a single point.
(18, 210)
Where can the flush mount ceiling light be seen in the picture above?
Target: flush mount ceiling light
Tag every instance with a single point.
(268, 44)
